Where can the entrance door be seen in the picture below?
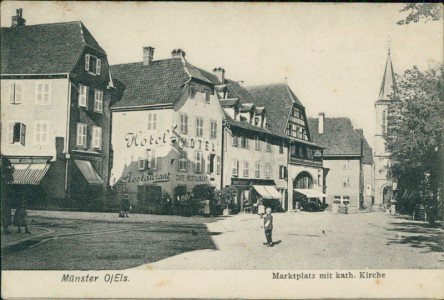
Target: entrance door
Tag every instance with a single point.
(385, 196)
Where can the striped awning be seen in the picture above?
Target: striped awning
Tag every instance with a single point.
(267, 191)
(29, 173)
(311, 193)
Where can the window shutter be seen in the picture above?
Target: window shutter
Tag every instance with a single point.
(98, 66)
(22, 133)
(87, 58)
(11, 133)
(12, 93)
(153, 160)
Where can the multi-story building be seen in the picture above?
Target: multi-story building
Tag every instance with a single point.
(55, 95)
(304, 174)
(344, 156)
(388, 89)
(166, 130)
(254, 157)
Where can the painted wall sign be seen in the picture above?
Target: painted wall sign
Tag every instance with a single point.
(146, 178)
(184, 177)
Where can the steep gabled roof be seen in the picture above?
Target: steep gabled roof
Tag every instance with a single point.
(44, 48)
(278, 100)
(339, 137)
(388, 85)
(236, 90)
(367, 150)
(162, 82)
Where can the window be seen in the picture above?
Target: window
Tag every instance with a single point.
(183, 160)
(207, 96)
(282, 172)
(244, 142)
(346, 200)
(347, 165)
(281, 147)
(198, 160)
(151, 161)
(246, 169)
(98, 101)
(257, 169)
(17, 133)
(384, 121)
(81, 134)
(235, 167)
(97, 137)
(141, 164)
(268, 170)
(83, 95)
(152, 121)
(235, 141)
(192, 92)
(257, 143)
(346, 182)
(257, 121)
(93, 64)
(268, 147)
(183, 123)
(199, 126)
(15, 93)
(210, 163)
(41, 132)
(213, 129)
(43, 93)
(217, 165)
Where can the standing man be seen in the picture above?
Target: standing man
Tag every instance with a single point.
(268, 226)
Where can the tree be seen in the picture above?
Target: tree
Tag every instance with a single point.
(422, 11)
(415, 137)
(226, 196)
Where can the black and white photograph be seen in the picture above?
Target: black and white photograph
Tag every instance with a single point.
(222, 150)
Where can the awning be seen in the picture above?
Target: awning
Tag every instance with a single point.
(267, 191)
(88, 172)
(311, 193)
(273, 191)
(29, 173)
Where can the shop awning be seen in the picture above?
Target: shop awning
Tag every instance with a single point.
(311, 193)
(273, 191)
(29, 173)
(88, 172)
(267, 191)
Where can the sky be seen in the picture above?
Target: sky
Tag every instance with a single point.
(331, 55)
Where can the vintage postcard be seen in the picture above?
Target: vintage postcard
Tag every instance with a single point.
(221, 150)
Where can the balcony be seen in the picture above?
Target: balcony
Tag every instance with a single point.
(316, 161)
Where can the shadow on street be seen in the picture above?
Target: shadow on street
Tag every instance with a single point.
(417, 234)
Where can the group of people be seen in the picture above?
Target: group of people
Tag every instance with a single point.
(19, 220)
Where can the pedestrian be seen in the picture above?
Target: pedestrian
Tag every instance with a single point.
(168, 205)
(21, 217)
(268, 227)
(125, 206)
(260, 207)
(206, 210)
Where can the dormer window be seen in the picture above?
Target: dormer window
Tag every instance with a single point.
(257, 121)
(92, 64)
(207, 96)
(192, 92)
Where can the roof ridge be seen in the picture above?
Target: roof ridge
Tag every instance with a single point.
(43, 24)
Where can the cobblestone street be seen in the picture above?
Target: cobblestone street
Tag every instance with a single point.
(94, 241)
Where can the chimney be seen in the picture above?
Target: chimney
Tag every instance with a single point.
(148, 54)
(220, 73)
(321, 123)
(177, 53)
(17, 20)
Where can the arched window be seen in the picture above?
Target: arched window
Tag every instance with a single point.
(384, 121)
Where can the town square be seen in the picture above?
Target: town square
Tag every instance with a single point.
(142, 136)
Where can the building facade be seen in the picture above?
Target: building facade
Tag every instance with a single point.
(349, 178)
(381, 156)
(166, 136)
(55, 103)
(305, 173)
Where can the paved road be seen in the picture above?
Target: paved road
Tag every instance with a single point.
(69, 240)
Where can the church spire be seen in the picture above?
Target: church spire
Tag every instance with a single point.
(388, 86)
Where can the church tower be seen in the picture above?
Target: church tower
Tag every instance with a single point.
(381, 156)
